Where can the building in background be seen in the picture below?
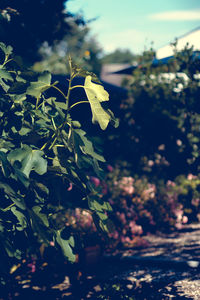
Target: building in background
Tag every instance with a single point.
(163, 55)
(192, 39)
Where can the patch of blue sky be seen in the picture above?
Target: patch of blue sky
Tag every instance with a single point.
(136, 24)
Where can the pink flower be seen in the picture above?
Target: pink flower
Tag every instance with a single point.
(179, 226)
(170, 183)
(122, 239)
(32, 266)
(195, 201)
(184, 219)
(104, 188)
(110, 168)
(191, 176)
(179, 214)
(115, 234)
(70, 187)
(95, 180)
(135, 229)
(127, 239)
(129, 190)
(111, 201)
(122, 218)
(150, 163)
(126, 185)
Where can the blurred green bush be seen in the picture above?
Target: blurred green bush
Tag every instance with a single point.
(159, 122)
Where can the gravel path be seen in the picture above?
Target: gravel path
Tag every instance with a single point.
(167, 269)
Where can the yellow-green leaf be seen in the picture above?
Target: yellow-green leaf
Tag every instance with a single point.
(96, 94)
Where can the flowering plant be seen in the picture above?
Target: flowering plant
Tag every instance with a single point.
(140, 206)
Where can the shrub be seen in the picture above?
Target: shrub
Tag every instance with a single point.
(46, 159)
(159, 128)
(141, 206)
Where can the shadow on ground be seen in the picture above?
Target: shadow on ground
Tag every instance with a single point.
(160, 271)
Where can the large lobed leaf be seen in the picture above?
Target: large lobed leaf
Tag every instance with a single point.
(66, 246)
(96, 94)
(30, 159)
(37, 88)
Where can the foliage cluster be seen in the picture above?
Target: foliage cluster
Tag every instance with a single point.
(46, 159)
(83, 49)
(26, 25)
(159, 131)
(155, 150)
(119, 56)
(140, 206)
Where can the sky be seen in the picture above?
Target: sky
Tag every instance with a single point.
(138, 25)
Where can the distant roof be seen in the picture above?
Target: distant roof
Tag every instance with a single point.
(155, 63)
(191, 38)
(109, 73)
(114, 67)
(163, 55)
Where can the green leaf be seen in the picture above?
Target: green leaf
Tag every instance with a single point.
(6, 168)
(38, 227)
(18, 88)
(86, 145)
(27, 75)
(76, 124)
(5, 75)
(6, 49)
(10, 249)
(13, 195)
(53, 103)
(24, 131)
(99, 171)
(61, 105)
(97, 204)
(71, 241)
(114, 122)
(4, 86)
(21, 219)
(41, 188)
(19, 175)
(37, 88)
(102, 222)
(30, 159)
(18, 98)
(96, 94)
(83, 73)
(37, 210)
(66, 246)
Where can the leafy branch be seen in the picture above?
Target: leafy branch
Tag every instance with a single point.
(42, 151)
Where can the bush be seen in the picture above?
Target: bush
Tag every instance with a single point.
(46, 160)
(159, 128)
(141, 207)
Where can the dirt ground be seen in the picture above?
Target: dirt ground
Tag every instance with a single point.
(168, 268)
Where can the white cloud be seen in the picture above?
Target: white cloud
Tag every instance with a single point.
(179, 15)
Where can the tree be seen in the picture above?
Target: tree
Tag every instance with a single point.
(26, 25)
(119, 56)
(45, 157)
(82, 47)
